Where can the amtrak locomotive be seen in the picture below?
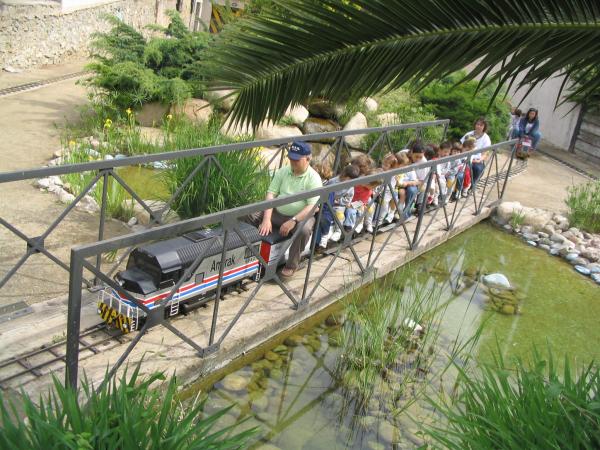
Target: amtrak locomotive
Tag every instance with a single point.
(154, 269)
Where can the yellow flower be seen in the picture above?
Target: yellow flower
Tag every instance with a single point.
(72, 143)
(169, 116)
(129, 111)
(107, 123)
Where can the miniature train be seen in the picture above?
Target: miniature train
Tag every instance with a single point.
(154, 269)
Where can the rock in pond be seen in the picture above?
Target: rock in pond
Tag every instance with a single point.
(582, 270)
(334, 320)
(271, 356)
(496, 280)
(509, 310)
(234, 382)
(293, 341)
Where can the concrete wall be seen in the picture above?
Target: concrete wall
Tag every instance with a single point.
(557, 126)
(34, 33)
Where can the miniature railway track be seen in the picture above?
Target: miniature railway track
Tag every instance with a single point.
(91, 342)
(38, 84)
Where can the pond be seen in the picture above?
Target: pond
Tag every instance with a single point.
(297, 389)
(149, 184)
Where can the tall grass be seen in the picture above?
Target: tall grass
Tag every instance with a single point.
(244, 177)
(584, 206)
(530, 406)
(124, 414)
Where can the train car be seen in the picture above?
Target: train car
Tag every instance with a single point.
(153, 269)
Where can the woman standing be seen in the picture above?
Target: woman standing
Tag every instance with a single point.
(529, 126)
(482, 140)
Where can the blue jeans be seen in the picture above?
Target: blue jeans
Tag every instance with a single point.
(476, 171)
(535, 139)
(411, 195)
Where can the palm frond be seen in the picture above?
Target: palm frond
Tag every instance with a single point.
(337, 49)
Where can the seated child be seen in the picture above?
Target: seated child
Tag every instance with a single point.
(385, 213)
(430, 155)
(409, 184)
(403, 161)
(442, 170)
(339, 201)
(355, 212)
(463, 177)
(417, 156)
(455, 167)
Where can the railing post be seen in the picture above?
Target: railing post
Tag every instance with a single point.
(73, 320)
(105, 175)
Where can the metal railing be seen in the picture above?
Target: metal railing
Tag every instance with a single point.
(209, 164)
(485, 193)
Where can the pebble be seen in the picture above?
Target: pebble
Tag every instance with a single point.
(596, 277)
(554, 252)
(508, 227)
(531, 237)
(571, 256)
(544, 247)
(594, 268)
(532, 243)
(131, 222)
(557, 238)
(543, 235)
(579, 262)
(234, 382)
(582, 270)
(549, 230)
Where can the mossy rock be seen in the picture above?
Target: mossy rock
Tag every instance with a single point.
(271, 356)
(509, 310)
(314, 342)
(281, 349)
(277, 364)
(276, 374)
(293, 341)
(260, 404)
(471, 272)
(235, 383)
(335, 320)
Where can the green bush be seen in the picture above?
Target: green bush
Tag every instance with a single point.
(463, 105)
(245, 178)
(529, 406)
(124, 414)
(129, 70)
(584, 206)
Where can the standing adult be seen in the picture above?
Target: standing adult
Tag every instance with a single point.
(482, 140)
(530, 126)
(293, 179)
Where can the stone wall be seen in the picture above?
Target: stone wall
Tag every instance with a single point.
(34, 33)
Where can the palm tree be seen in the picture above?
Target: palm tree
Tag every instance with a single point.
(342, 48)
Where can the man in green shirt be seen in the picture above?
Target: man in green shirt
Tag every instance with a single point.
(293, 179)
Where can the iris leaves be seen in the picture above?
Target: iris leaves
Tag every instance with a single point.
(337, 49)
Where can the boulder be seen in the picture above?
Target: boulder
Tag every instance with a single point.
(531, 237)
(544, 247)
(234, 382)
(571, 256)
(88, 204)
(155, 136)
(596, 277)
(195, 109)
(496, 280)
(65, 197)
(536, 218)
(571, 236)
(42, 183)
(579, 262)
(582, 270)
(387, 119)
(55, 180)
(356, 122)
(593, 254)
(314, 125)
(549, 229)
(506, 209)
(238, 130)
(557, 237)
(220, 100)
(273, 131)
(371, 104)
(152, 114)
(298, 114)
(320, 107)
(594, 267)
(558, 218)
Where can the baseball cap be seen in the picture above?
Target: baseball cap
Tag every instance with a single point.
(299, 150)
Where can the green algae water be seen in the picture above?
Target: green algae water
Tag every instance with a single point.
(148, 183)
(295, 392)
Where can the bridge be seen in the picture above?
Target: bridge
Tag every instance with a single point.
(241, 317)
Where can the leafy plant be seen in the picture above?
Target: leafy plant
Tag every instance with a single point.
(242, 177)
(529, 406)
(130, 70)
(463, 103)
(584, 206)
(128, 413)
(371, 46)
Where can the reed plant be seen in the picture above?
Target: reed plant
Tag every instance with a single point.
(584, 206)
(531, 404)
(129, 413)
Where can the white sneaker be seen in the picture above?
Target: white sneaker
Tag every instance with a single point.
(369, 228)
(389, 217)
(336, 236)
(323, 241)
(358, 228)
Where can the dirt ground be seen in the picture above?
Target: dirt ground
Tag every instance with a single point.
(30, 130)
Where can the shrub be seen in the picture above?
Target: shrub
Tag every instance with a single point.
(124, 414)
(530, 406)
(584, 206)
(463, 105)
(245, 178)
(129, 70)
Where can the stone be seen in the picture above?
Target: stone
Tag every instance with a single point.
(571, 236)
(532, 243)
(95, 143)
(545, 241)
(42, 183)
(549, 230)
(65, 197)
(508, 228)
(388, 432)
(131, 222)
(591, 253)
(234, 382)
(142, 215)
(267, 447)
(92, 153)
(565, 250)
(314, 125)
(554, 252)
(557, 238)
(152, 114)
(371, 104)
(579, 262)
(55, 180)
(536, 218)
(593, 268)
(58, 153)
(506, 209)
(526, 229)
(558, 218)
(221, 99)
(271, 356)
(582, 270)
(587, 235)
(108, 157)
(260, 404)
(563, 226)
(273, 131)
(387, 119)
(271, 156)
(88, 204)
(356, 122)
(596, 277)
(320, 107)
(496, 280)
(531, 237)
(543, 235)
(334, 320)
(195, 109)
(571, 256)
(294, 340)
(298, 114)
(237, 130)
(544, 247)
(574, 230)
(11, 69)
(155, 136)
